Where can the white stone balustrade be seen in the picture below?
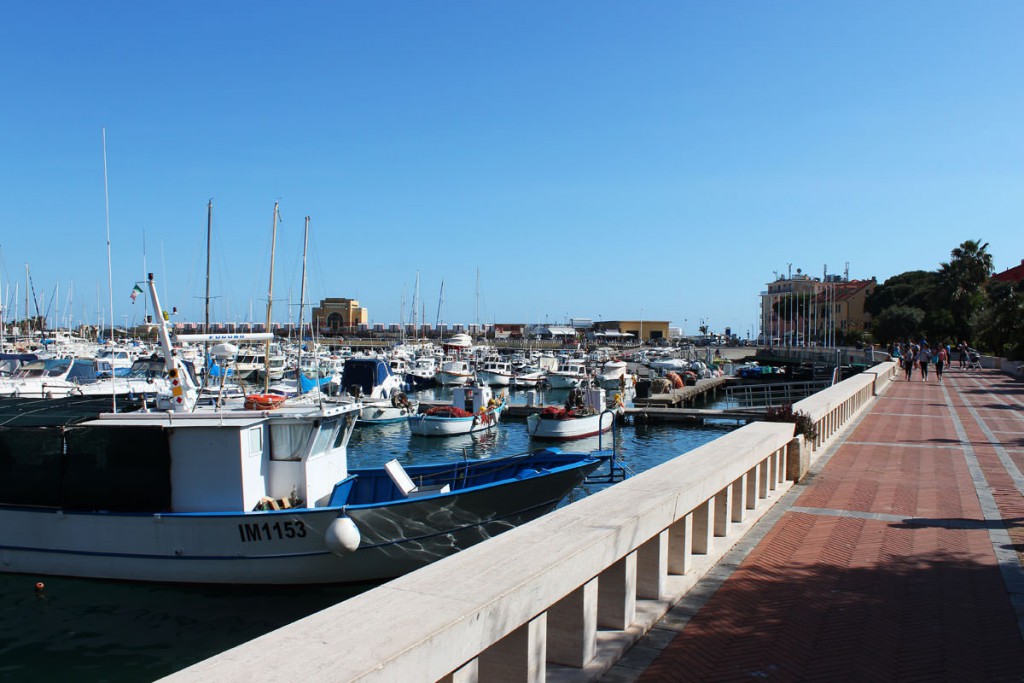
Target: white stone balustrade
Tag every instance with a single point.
(560, 598)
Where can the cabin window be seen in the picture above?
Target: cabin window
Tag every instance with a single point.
(255, 441)
(287, 441)
(326, 437)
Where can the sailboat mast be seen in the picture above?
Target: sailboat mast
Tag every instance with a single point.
(106, 203)
(206, 308)
(302, 300)
(270, 303)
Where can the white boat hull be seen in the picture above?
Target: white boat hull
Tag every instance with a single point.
(570, 428)
(558, 381)
(494, 379)
(450, 379)
(273, 547)
(384, 413)
(429, 425)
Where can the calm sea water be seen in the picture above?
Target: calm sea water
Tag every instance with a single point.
(85, 630)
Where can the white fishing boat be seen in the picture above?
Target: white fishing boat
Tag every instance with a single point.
(571, 373)
(495, 372)
(583, 415)
(454, 372)
(422, 373)
(528, 377)
(243, 496)
(473, 409)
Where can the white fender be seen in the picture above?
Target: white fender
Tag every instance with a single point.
(342, 536)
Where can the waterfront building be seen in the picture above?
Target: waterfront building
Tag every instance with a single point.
(644, 330)
(800, 310)
(337, 314)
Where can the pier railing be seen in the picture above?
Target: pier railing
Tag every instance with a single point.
(560, 598)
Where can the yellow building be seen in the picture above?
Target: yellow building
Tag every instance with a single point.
(334, 315)
(645, 330)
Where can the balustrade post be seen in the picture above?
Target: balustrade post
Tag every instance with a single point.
(701, 541)
(652, 567)
(753, 476)
(739, 488)
(572, 627)
(616, 594)
(762, 479)
(680, 545)
(519, 657)
(467, 673)
(723, 510)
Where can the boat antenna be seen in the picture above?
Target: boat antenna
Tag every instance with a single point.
(302, 300)
(270, 303)
(110, 271)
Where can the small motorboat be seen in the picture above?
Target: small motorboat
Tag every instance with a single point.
(474, 408)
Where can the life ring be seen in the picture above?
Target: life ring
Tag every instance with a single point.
(264, 401)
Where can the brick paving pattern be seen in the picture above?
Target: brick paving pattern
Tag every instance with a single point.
(885, 568)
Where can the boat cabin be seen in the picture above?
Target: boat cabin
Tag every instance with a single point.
(473, 399)
(206, 461)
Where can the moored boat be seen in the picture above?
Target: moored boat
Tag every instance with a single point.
(259, 496)
(474, 408)
(583, 415)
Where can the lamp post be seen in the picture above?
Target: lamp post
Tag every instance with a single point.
(641, 326)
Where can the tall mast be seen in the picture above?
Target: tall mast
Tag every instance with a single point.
(270, 303)
(302, 300)
(206, 310)
(106, 203)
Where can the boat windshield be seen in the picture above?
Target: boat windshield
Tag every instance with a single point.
(147, 368)
(54, 367)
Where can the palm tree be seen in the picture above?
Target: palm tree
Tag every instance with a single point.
(969, 268)
(962, 279)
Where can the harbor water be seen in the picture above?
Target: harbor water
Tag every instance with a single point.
(87, 630)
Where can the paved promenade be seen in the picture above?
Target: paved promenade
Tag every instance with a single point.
(898, 559)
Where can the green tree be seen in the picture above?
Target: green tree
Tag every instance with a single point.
(963, 278)
(915, 288)
(898, 323)
(1000, 325)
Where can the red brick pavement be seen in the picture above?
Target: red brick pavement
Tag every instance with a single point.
(825, 597)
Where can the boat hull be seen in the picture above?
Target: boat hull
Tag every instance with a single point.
(429, 425)
(494, 379)
(285, 546)
(558, 381)
(570, 428)
(450, 379)
(384, 413)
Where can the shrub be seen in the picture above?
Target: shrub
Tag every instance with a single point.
(785, 413)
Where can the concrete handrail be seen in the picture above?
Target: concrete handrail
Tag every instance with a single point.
(526, 605)
(831, 408)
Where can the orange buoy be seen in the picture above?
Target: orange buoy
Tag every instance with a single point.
(264, 401)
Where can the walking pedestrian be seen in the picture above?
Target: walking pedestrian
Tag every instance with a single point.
(941, 358)
(923, 359)
(963, 354)
(908, 363)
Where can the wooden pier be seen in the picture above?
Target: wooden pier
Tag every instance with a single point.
(686, 396)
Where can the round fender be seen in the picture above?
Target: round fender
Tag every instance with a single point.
(342, 536)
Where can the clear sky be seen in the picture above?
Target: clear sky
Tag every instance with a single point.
(605, 160)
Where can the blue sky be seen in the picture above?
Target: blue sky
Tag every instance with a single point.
(607, 160)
